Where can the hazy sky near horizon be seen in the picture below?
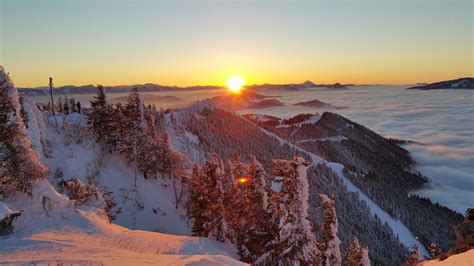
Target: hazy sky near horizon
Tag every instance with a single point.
(203, 42)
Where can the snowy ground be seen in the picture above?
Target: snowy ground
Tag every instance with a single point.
(54, 231)
(462, 259)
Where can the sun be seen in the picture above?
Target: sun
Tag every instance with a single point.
(235, 83)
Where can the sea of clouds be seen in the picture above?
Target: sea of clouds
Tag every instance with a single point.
(442, 120)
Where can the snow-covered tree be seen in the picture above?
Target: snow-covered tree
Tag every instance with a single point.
(433, 250)
(365, 256)
(148, 153)
(353, 253)
(255, 230)
(356, 255)
(132, 125)
(295, 242)
(329, 245)
(115, 125)
(24, 114)
(206, 206)
(100, 116)
(19, 162)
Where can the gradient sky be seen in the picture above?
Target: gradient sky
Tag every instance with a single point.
(203, 42)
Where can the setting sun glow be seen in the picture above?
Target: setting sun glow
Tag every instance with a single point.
(235, 83)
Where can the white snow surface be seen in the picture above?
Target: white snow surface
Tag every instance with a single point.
(60, 233)
(404, 234)
(337, 138)
(312, 120)
(462, 259)
(53, 231)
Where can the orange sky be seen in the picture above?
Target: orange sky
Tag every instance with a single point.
(188, 43)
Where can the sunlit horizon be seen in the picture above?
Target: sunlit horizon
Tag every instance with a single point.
(186, 43)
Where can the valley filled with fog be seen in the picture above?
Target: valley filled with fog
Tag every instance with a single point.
(441, 121)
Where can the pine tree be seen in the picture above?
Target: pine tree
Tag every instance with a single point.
(256, 230)
(413, 256)
(149, 147)
(295, 242)
(433, 250)
(164, 155)
(330, 243)
(24, 114)
(115, 125)
(353, 253)
(99, 117)
(60, 105)
(19, 162)
(206, 207)
(365, 257)
(72, 104)
(132, 125)
(66, 105)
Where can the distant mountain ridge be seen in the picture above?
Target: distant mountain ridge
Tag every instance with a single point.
(151, 87)
(461, 83)
(86, 89)
(297, 86)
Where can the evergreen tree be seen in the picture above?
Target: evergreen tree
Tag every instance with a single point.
(115, 125)
(413, 256)
(295, 242)
(256, 229)
(72, 104)
(164, 155)
(149, 148)
(66, 105)
(433, 250)
(19, 162)
(24, 114)
(353, 253)
(365, 256)
(329, 245)
(206, 207)
(132, 125)
(99, 116)
(60, 105)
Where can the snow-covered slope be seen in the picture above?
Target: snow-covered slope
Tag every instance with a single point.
(54, 230)
(462, 259)
(405, 236)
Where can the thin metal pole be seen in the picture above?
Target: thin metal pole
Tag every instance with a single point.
(52, 99)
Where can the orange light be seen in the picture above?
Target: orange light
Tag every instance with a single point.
(235, 84)
(243, 179)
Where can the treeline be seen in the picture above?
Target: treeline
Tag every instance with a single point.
(265, 215)
(136, 131)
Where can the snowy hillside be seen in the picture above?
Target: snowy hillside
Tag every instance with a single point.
(130, 184)
(54, 228)
(58, 233)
